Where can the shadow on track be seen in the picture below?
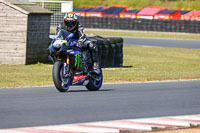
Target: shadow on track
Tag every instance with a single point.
(103, 90)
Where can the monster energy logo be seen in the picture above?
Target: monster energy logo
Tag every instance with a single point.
(77, 61)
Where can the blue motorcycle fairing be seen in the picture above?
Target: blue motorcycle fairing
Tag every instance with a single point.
(65, 35)
(74, 40)
(71, 51)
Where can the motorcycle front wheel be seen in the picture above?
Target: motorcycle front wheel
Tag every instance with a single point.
(61, 83)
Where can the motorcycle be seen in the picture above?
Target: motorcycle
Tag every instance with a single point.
(73, 64)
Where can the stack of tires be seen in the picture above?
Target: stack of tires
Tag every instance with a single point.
(110, 51)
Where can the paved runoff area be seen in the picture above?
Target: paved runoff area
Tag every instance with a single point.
(144, 124)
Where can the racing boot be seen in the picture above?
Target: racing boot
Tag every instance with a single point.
(95, 65)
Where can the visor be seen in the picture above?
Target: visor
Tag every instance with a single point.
(70, 24)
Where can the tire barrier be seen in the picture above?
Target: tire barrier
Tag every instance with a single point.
(110, 51)
(187, 26)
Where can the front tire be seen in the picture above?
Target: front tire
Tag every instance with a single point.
(95, 85)
(61, 83)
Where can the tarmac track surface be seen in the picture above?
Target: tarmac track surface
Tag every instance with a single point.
(40, 106)
(175, 43)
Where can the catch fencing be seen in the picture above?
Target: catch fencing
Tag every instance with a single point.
(55, 7)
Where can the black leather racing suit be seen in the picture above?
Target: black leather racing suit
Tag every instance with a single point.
(79, 34)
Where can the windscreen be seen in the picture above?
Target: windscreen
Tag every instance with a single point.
(64, 35)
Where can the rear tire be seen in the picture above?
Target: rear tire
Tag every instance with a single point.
(95, 85)
(58, 79)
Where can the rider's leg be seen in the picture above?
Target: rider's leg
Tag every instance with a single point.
(94, 50)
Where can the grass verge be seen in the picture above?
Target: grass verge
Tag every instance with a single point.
(138, 4)
(141, 63)
(189, 130)
(25, 75)
(185, 130)
(150, 34)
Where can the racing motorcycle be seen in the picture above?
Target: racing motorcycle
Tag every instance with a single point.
(73, 65)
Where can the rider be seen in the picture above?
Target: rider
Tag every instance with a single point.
(72, 24)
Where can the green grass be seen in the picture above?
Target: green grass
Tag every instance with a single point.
(140, 64)
(151, 34)
(138, 4)
(25, 75)
(153, 63)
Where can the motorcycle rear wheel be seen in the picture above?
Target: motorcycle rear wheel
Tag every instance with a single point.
(95, 85)
(61, 83)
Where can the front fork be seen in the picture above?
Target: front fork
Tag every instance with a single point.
(66, 67)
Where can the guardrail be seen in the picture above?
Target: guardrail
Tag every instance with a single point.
(187, 26)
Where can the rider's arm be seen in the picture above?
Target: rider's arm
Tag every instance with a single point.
(59, 27)
(82, 36)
